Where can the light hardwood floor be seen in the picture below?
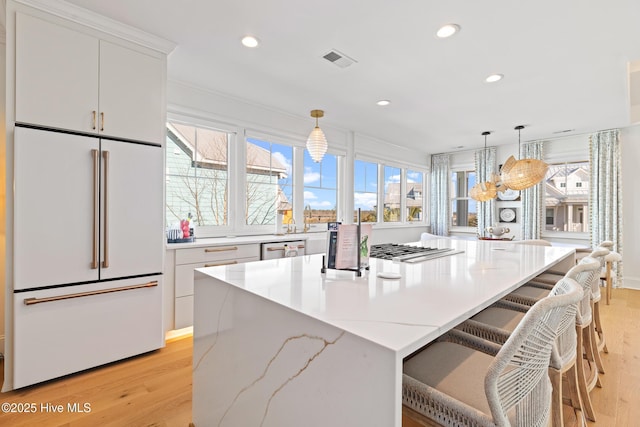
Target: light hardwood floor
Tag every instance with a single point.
(155, 389)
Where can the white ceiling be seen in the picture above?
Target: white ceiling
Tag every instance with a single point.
(565, 62)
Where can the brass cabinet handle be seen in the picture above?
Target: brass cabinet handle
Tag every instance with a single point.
(105, 261)
(216, 264)
(32, 301)
(94, 261)
(101, 121)
(281, 248)
(93, 120)
(223, 249)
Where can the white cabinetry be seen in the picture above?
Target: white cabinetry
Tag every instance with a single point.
(66, 79)
(87, 241)
(189, 259)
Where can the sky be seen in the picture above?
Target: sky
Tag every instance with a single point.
(320, 182)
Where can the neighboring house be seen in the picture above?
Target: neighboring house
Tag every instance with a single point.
(413, 201)
(197, 180)
(567, 198)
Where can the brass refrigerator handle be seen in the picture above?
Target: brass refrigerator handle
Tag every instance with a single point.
(105, 261)
(224, 249)
(94, 261)
(93, 120)
(217, 264)
(32, 301)
(101, 121)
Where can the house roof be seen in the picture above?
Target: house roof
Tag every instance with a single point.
(211, 150)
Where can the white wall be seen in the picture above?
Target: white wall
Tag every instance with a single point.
(630, 142)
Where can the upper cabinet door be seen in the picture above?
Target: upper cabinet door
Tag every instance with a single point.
(131, 100)
(67, 79)
(56, 75)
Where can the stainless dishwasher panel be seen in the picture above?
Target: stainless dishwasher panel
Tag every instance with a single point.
(282, 249)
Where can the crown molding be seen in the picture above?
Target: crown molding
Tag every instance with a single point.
(101, 23)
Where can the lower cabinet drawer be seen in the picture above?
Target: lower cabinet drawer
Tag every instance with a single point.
(184, 273)
(65, 330)
(216, 253)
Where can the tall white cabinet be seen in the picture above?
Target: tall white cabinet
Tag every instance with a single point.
(87, 233)
(67, 79)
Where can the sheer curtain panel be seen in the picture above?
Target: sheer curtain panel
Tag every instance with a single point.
(485, 167)
(440, 202)
(605, 192)
(532, 206)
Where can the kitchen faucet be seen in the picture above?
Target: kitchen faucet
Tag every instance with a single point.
(289, 226)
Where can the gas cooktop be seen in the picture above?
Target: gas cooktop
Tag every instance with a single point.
(408, 253)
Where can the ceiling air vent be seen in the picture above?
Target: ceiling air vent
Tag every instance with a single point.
(338, 58)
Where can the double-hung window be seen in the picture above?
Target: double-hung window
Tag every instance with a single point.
(464, 210)
(567, 197)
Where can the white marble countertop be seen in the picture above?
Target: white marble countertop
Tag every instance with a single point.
(239, 240)
(403, 315)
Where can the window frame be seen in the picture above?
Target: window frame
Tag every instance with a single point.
(380, 190)
(460, 228)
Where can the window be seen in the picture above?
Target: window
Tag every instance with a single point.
(464, 210)
(269, 186)
(567, 197)
(320, 189)
(391, 212)
(196, 174)
(414, 200)
(365, 196)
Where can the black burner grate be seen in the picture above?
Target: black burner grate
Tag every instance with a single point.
(393, 250)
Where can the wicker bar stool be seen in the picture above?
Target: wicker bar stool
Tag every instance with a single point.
(498, 321)
(455, 381)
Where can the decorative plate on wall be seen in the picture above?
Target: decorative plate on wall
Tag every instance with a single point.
(508, 194)
(507, 215)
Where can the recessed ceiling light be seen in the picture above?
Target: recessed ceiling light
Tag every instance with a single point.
(494, 78)
(447, 30)
(383, 102)
(250, 41)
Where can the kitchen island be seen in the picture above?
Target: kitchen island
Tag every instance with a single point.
(277, 343)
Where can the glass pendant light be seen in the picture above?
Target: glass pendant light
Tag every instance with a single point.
(317, 143)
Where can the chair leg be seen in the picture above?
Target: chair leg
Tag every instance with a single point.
(608, 283)
(592, 356)
(587, 406)
(572, 385)
(601, 343)
(556, 398)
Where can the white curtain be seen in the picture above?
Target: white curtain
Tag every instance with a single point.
(440, 203)
(605, 192)
(485, 167)
(532, 205)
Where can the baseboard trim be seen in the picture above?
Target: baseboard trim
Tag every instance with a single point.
(631, 282)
